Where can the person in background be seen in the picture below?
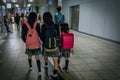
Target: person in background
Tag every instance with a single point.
(40, 19)
(22, 19)
(17, 20)
(6, 23)
(58, 19)
(59, 16)
(32, 19)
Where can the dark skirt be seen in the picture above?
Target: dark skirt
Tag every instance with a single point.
(65, 53)
(32, 52)
(51, 54)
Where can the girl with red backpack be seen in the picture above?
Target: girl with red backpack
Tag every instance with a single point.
(67, 43)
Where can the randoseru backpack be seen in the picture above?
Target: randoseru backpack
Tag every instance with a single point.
(32, 38)
(51, 38)
(67, 40)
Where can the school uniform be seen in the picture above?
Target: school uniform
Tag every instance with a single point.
(31, 52)
(46, 53)
(64, 53)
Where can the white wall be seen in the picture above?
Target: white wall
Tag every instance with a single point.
(51, 8)
(42, 9)
(97, 17)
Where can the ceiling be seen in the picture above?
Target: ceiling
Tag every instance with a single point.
(24, 3)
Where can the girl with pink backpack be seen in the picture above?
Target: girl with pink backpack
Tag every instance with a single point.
(31, 37)
(67, 43)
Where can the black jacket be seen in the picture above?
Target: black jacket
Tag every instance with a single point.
(44, 28)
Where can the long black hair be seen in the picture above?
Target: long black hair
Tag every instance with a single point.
(47, 18)
(32, 18)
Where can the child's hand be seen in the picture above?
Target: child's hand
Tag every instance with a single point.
(71, 52)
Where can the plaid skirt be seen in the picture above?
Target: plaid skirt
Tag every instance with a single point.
(51, 54)
(64, 53)
(32, 52)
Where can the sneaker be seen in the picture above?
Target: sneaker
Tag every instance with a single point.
(30, 68)
(53, 75)
(65, 69)
(39, 73)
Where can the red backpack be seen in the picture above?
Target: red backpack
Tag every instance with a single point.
(32, 38)
(67, 40)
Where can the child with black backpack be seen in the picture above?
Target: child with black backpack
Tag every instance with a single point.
(50, 42)
(67, 43)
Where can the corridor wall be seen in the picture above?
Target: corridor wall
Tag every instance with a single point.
(97, 17)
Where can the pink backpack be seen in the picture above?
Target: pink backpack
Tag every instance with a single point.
(32, 38)
(67, 40)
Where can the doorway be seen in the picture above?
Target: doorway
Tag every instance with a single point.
(75, 17)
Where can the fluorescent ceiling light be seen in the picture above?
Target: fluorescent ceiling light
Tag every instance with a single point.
(30, 0)
(4, 1)
(14, 0)
(16, 5)
(28, 5)
(8, 5)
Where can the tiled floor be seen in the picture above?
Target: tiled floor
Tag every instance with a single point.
(13, 61)
(93, 59)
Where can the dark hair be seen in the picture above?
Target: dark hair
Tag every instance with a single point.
(22, 15)
(16, 14)
(59, 8)
(64, 27)
(47, 18)
(32, 18)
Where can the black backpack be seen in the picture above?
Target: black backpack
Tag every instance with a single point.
(51, 39)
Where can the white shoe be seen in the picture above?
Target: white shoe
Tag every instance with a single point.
(53, 75)
(30, 68)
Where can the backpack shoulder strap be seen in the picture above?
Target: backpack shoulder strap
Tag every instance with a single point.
(35, 25)
(27, 24)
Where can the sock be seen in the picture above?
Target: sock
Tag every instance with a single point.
(55, 71)
(30, 62)
(38, 65)
(66, 64)
(46, 63)
(58, 62)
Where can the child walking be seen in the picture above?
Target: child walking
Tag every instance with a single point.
(65, 52)
(31, 37)
(49, 38)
